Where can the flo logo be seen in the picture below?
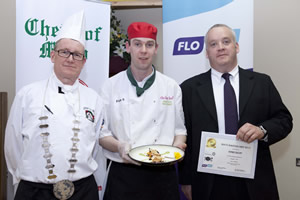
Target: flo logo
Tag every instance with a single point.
(188, 45)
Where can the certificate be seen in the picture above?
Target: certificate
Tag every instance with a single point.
(223, 154)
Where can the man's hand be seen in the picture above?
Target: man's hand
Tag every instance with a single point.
(180, 145)
(249, 133)
(187, 191)
(123, 149)
(179, 142)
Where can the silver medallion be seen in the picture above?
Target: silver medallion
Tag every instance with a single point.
(63, 189)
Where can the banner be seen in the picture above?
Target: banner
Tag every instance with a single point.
(37, 26)
(185, 24)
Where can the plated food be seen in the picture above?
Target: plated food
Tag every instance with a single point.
(156, 154)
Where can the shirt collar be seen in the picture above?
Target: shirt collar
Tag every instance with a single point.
(218, 75)
(142, 83)
(65, 88)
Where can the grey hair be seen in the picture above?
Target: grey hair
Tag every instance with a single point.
(56, 44)
(220, 25)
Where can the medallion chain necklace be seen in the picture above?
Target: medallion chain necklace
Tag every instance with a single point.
(44, 126)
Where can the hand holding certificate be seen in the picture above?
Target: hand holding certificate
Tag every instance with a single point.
(224, 155)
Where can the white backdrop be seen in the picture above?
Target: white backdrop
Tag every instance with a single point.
(37, 25)
(185, 24)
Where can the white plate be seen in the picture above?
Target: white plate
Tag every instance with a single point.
(139, 154)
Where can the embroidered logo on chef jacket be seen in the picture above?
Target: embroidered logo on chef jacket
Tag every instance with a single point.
(167, 100)
(89, 114)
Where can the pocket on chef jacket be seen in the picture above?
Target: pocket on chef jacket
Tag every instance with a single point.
(88, 125)
(165, 109)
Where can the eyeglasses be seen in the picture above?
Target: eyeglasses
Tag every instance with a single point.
(66, 54)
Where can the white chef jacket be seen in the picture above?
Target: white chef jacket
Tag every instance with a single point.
(155, 117)
(23, 141)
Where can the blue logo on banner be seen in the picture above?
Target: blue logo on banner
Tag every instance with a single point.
(188, 45)
(177, 9)
(237, 34)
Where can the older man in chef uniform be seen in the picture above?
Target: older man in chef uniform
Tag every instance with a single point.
(54, 125)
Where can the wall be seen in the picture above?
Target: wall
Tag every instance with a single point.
(8, 48)
(7, 57)
(276, 52)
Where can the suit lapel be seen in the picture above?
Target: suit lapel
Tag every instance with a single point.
(246, 87)
(205, 92)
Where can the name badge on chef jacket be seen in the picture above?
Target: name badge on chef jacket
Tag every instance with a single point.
(167, 100)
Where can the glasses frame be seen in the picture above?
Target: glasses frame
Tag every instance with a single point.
(59, 52)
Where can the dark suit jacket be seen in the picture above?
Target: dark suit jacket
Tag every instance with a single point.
(259, 104)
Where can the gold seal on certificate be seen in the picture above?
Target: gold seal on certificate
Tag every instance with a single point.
(223, 154)
(211, 143)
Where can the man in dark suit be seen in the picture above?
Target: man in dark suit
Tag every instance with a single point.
(262, 116)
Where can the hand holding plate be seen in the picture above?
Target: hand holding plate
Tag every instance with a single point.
(124, 148)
